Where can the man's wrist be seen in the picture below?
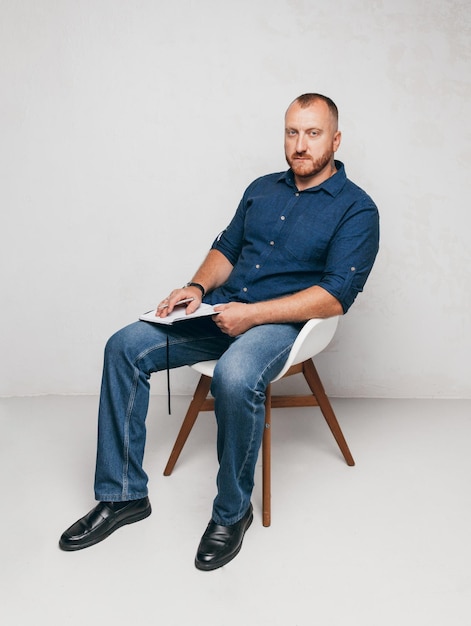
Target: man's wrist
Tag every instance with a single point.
(257, 313)
(198, 286)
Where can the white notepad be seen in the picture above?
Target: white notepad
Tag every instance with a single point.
(178, 314)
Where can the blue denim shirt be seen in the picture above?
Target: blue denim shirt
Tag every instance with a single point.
(282, 240)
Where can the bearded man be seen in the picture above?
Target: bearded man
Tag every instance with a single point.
(301, 245)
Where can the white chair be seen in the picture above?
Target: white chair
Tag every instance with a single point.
(315, 335)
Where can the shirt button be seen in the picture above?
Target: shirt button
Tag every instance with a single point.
(352, 269)
(257, 266)
(297, 194)
(282, 218)
(245, 289)
(272, 243)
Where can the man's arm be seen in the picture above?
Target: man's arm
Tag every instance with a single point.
(236, 318)
(213, 272)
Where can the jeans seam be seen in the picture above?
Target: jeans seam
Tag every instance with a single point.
(129, 411)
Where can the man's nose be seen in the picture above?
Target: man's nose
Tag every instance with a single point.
(301, 143)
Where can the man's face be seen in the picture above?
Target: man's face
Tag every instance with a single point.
(311, 139)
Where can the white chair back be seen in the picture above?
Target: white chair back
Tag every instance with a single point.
(315, 335)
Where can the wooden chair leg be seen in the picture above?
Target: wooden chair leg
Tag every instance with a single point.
(201, 393)
(266, 462)
(315, 385)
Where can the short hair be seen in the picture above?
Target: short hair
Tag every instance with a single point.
(307, 99)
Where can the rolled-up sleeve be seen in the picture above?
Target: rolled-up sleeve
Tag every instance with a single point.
(230, 241)
(351, 254)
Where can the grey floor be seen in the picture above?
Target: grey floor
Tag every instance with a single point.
(386, 543)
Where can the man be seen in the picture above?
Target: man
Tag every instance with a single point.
(301, 245)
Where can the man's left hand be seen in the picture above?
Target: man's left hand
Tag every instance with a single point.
(234, 318)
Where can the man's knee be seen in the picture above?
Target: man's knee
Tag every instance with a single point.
(234, 380)
(123, 343)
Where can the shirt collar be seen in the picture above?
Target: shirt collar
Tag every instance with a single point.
(333, 185)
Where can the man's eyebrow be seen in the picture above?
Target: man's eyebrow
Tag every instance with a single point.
(306, 130)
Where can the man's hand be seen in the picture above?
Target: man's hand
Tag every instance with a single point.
(235, 318)
(191, 297)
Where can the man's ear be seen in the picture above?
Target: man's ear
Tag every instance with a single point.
(337, 140)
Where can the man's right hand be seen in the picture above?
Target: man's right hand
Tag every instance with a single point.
(191, 297)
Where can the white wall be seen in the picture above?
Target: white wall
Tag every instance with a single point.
(129, 130)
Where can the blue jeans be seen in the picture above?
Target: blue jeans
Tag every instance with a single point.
(246, 365)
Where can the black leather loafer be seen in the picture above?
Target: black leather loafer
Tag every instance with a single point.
(101, 521)
(220, 544)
